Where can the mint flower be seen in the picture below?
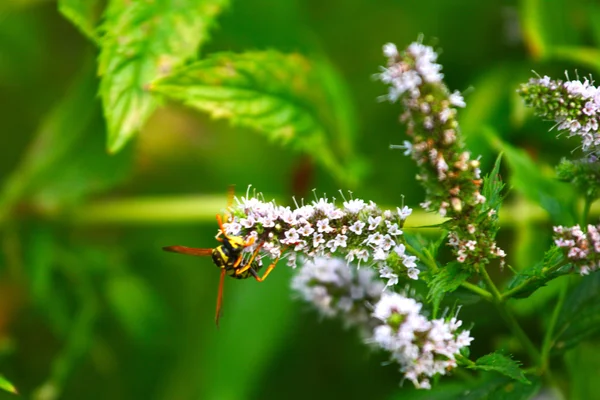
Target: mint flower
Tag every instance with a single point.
(423, 348)
(581, 248)
(356, 231)
(452, 179)
(573, 105)
(335, 290)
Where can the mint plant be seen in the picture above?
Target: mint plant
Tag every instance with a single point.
(486, 287)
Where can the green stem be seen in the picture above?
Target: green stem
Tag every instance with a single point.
(587, 205)
(430, 262)
(547, 343)
(513, 324)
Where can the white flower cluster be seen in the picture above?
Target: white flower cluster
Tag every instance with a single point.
(452, 179)
(359, 231)
(403, 77)
(582, 248)
(336, 290)
(573, 104)
(423, 348)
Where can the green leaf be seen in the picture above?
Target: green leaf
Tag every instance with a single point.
(136, 306)
(282, 95)
(528, 280)
(489, 387)
(556, 197)
(446, 280)
(580, 56)
(84, 14)
(502, 364)
(66, 161)
(142, 41)
(493, 186)
(580, 316)
(545, 25)
(582, 366)
(5, 384)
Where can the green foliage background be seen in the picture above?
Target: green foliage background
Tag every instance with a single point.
(90, 307)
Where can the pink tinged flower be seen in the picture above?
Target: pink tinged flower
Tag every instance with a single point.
(323, 226)
(374, 222)
(400, 250)
(387, 273)
(374, 240)
(413, 273)
(291, 236)
(390, 50)
(318, 239)
(291, 262)
(354, 206)
(248, 222)
(299, 246)
(379, 254)
(409, 261)
(357, 227)
(457, 100)
(306, 230)
(428, 123)
(446, 114)
(287, 216)
(232, 228)
(362, 255)
(393, 229)
(404, 212)
(387, 243)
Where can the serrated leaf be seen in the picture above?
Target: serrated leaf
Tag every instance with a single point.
(556, 197)
(489, 387)
(502, 364)
(580, 315)
(532, 278)
(84, 14)
(281, 95)
(142, 41)
(5, 384)
(493, 186)
(136, 306)
(446, 280)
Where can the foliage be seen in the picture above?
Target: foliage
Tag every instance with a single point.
(112, 125)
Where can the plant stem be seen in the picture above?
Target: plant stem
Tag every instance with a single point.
(547, 343)
(513, 324)
(433, 266)
(587, 205)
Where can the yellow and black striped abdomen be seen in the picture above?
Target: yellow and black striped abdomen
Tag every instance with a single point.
(225, 258)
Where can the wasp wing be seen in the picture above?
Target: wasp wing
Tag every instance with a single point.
(191, 251)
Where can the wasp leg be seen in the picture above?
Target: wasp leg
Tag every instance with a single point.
(267, 272)
(248, 264)
(220, 222)
(220, 297)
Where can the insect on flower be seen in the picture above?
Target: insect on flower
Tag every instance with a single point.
(230, 257)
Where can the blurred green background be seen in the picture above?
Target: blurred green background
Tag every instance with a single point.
(91, 308)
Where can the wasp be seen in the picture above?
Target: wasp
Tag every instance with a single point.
(230, 256)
